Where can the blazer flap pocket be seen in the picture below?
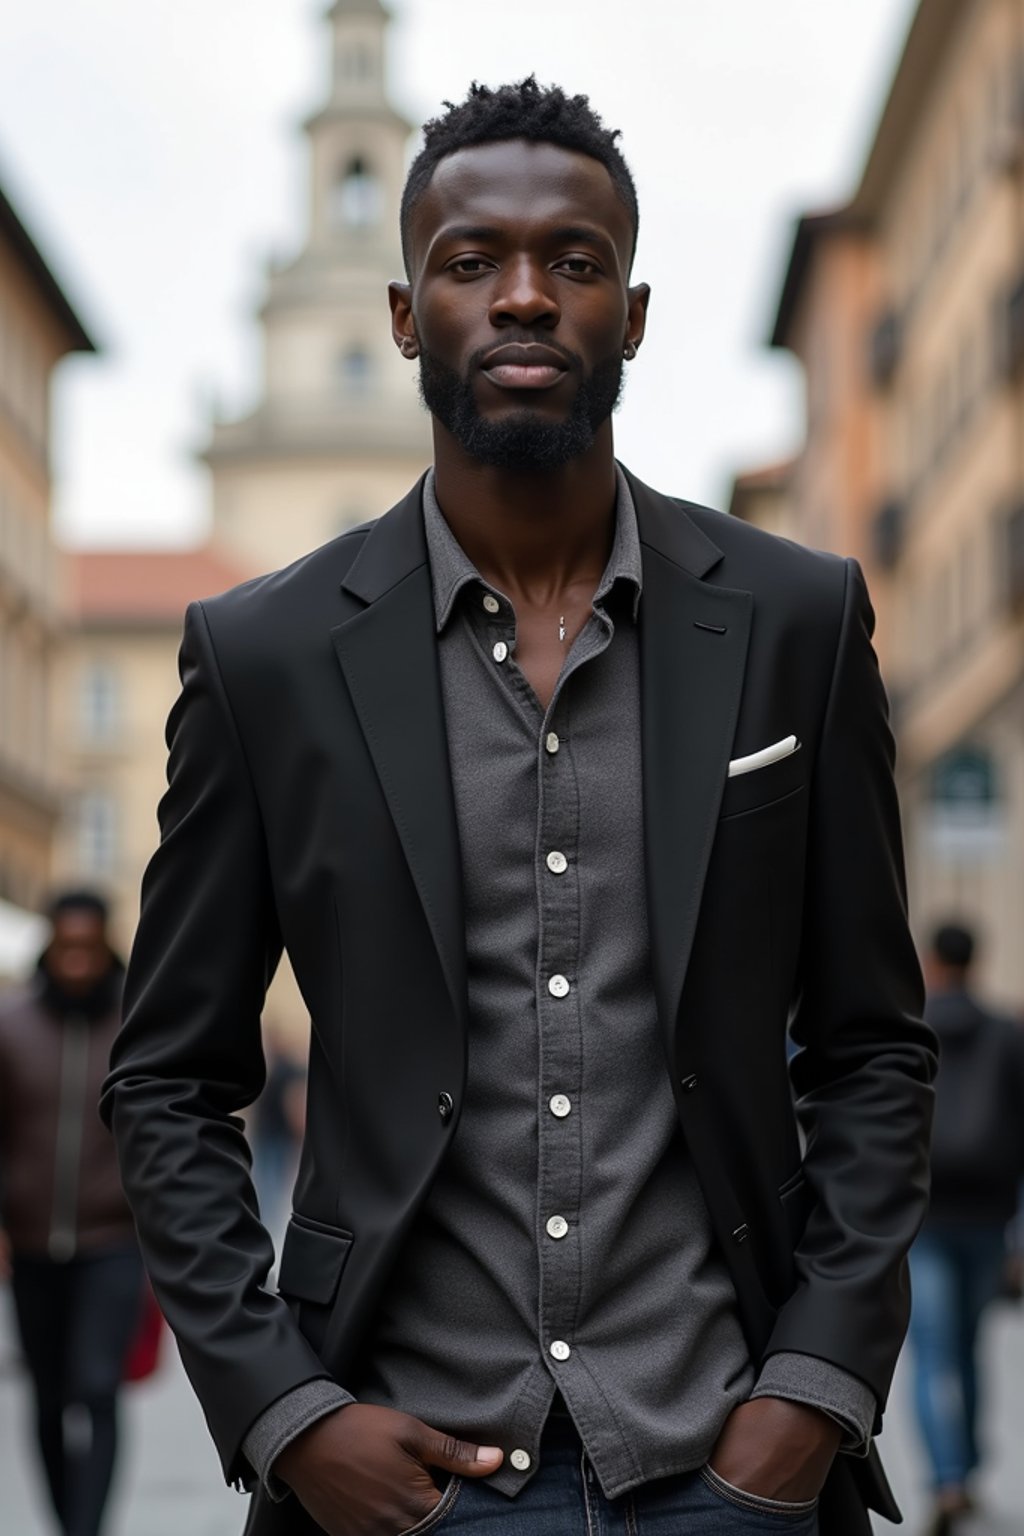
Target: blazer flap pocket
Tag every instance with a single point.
(312, 1260)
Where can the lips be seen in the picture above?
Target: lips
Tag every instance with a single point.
(524, 367)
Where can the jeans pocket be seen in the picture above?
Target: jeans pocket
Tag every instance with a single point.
(441, 1510)
(782, 1509)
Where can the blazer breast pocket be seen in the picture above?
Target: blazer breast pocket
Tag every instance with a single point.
(762, 786)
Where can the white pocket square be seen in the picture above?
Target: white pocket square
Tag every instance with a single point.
(772, 754)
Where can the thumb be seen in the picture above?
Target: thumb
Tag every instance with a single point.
(460, 1456)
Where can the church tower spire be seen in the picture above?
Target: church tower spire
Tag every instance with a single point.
(337, 434)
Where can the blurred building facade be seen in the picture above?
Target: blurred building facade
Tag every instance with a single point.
(37, 328)
(906, 309)
(336, 435)
(115, 685)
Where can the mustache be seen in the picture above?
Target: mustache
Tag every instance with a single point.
(572, 360)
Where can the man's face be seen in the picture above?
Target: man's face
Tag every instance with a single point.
(78, 955)
(519, 307)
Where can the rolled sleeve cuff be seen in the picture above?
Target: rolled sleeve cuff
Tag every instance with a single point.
(279, 1425)
(818, 1384)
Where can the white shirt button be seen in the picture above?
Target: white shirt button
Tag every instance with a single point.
(520, 1460)
(559, 1105)
(560, 1350)
(491, 603)
(500, 651)
(551, 742)
(557, 862)
(558, 986)
(557, 1226)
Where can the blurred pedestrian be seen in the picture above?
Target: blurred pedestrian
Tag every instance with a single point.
(278, 1123)
(68, 1237)
(958, 1261)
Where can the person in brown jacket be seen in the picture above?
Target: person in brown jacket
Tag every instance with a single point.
(66, 1233)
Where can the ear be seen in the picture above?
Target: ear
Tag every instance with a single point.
(638, 298)
(403, 327)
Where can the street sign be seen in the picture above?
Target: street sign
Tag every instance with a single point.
(965, 814)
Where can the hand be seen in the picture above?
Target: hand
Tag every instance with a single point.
(776, 1449)
(362, 1471)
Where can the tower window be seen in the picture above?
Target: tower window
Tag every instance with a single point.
(356, 202)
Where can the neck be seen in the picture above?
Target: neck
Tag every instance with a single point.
(530, 531)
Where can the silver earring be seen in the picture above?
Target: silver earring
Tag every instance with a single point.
(629, 351)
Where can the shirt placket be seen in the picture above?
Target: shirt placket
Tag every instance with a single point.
(560, 1042)
(560, 1056)
(560, 1023)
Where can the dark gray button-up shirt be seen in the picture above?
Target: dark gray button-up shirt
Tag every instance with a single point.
(564, 1244)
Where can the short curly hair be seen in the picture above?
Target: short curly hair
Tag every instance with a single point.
(523, 110)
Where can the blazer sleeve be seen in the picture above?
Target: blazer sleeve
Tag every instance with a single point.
(866, 1060)
(189, 1057)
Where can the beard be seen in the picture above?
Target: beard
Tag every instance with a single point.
(524, 439)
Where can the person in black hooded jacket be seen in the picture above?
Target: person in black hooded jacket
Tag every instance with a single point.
(66, 1232)
(977, 1168)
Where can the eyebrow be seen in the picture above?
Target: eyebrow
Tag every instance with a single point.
(567, 233)
(470, 232)
(584, 234)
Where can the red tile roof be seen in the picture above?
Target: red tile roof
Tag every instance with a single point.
(140, 586)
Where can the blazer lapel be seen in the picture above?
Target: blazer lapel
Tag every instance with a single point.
(388, 654)
(693, 652)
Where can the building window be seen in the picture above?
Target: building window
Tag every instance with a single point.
(99, 703)
(356, 201)
(97, 833)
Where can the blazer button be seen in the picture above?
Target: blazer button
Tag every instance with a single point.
(741, 1233)
(688, 1084)
(445, 1105)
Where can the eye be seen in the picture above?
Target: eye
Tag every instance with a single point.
(468, 266)
(579, 266)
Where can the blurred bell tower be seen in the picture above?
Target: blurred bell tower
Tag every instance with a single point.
(337, 434)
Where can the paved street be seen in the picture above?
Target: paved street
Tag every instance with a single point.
(171, 1483)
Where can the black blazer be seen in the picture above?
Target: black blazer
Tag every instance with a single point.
(310, 805)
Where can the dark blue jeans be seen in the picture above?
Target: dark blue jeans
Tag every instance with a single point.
(564, 1499)
(955, 1274)
(76, 1322)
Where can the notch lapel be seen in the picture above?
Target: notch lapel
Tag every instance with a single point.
(694, 640)
(388, 654)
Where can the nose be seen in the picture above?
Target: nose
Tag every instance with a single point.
(525, 296)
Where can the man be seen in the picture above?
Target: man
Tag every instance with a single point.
(562, 796)
(959, 1257)
(75, 1268)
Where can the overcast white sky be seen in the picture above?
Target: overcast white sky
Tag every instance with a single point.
(152, 148)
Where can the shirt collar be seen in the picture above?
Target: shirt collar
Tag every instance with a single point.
(451, 568)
